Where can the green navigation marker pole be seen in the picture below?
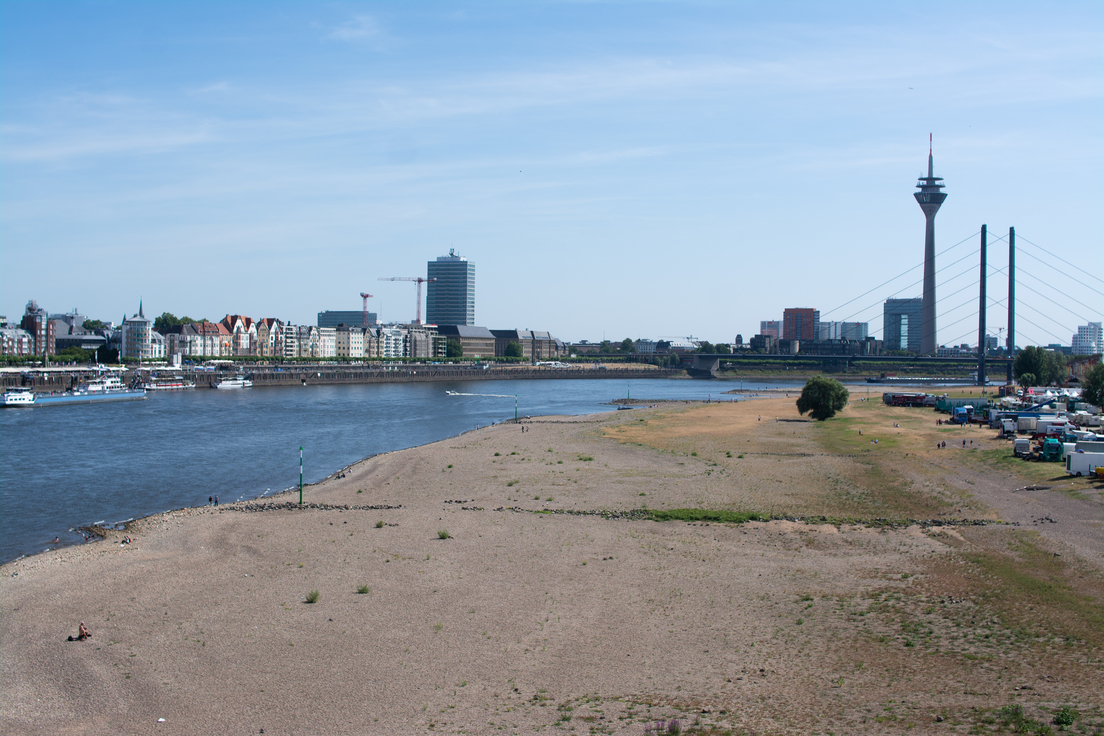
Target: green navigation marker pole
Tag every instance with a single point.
(300, 475)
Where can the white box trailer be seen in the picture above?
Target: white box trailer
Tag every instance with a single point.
(1084, 463)
(1026, 424)
(1021, 447)
(1043, 424)
(1090, 446)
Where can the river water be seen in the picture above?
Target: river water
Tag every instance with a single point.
(70, 466)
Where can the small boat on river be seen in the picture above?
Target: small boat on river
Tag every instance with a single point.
(18, 397)
(238, 381)
(168, 383)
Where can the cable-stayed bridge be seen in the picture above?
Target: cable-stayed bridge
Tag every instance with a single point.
(1051, 289)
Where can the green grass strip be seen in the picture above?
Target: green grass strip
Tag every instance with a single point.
(720, 516)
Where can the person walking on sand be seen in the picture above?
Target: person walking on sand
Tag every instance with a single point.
(216, 500)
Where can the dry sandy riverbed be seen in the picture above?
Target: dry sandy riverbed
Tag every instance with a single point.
(524, 622)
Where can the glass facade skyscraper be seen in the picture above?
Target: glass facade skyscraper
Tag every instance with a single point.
(450, 298)
(901, 321)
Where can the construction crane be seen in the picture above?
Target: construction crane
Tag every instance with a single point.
(365, 297)
(419, 280)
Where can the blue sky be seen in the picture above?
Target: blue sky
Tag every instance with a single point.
(613, 168)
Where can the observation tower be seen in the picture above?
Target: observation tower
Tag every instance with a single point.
(929, 198)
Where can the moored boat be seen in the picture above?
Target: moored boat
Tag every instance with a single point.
(168, 383)
(238, 381)
(96, 392)
(18, 397)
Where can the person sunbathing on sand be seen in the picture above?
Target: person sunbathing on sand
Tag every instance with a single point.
(82, 634)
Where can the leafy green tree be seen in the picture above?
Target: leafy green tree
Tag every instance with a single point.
(723, 348)
(454, 348)
(604, 347)
(1046, 365)
(822, 397)
(93, 324)
(627, 345)
(1027, 379)
(1056, 367)
(74, 354)
(705, 347)
(167, 319)
(513, 350)
(1092, 388)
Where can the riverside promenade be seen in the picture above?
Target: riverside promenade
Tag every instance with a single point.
(330, 374)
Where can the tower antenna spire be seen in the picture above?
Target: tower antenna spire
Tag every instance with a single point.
(930, 197)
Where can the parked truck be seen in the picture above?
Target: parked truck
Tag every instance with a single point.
(961, 414)
(1051, 451)
(1021, 447)
(1084, 463)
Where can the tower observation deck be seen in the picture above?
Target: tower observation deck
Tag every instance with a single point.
(930, 197)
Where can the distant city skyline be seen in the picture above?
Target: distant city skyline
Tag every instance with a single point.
(617, 170)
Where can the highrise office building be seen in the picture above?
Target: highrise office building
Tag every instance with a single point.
(930, 198)
(901, 324)
(800, 323)
(450, 297)
(771, 328)
(856, 331)
(1089, 339)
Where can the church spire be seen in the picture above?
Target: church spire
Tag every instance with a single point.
(140, 314)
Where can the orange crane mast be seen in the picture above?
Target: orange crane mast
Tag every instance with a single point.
(419, 280)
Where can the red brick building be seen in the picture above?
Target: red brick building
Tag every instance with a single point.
(800, 324)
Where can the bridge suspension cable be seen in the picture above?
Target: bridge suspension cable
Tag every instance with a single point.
(937, 301)
(918, 265)
(1003, 271)
(1063, 260)
(942, 283)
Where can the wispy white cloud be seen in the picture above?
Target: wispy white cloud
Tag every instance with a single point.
(214, 87)
(88, 125)
(359, 28)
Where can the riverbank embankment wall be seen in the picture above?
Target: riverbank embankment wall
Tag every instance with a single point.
(330, 374)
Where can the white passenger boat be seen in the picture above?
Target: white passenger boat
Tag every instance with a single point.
(238, 381)
(168, 383)
(18, 397)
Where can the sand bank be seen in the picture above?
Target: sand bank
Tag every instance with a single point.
(475, 620)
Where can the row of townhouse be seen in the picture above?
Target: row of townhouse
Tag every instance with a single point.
(345, 341)
(237, 335)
